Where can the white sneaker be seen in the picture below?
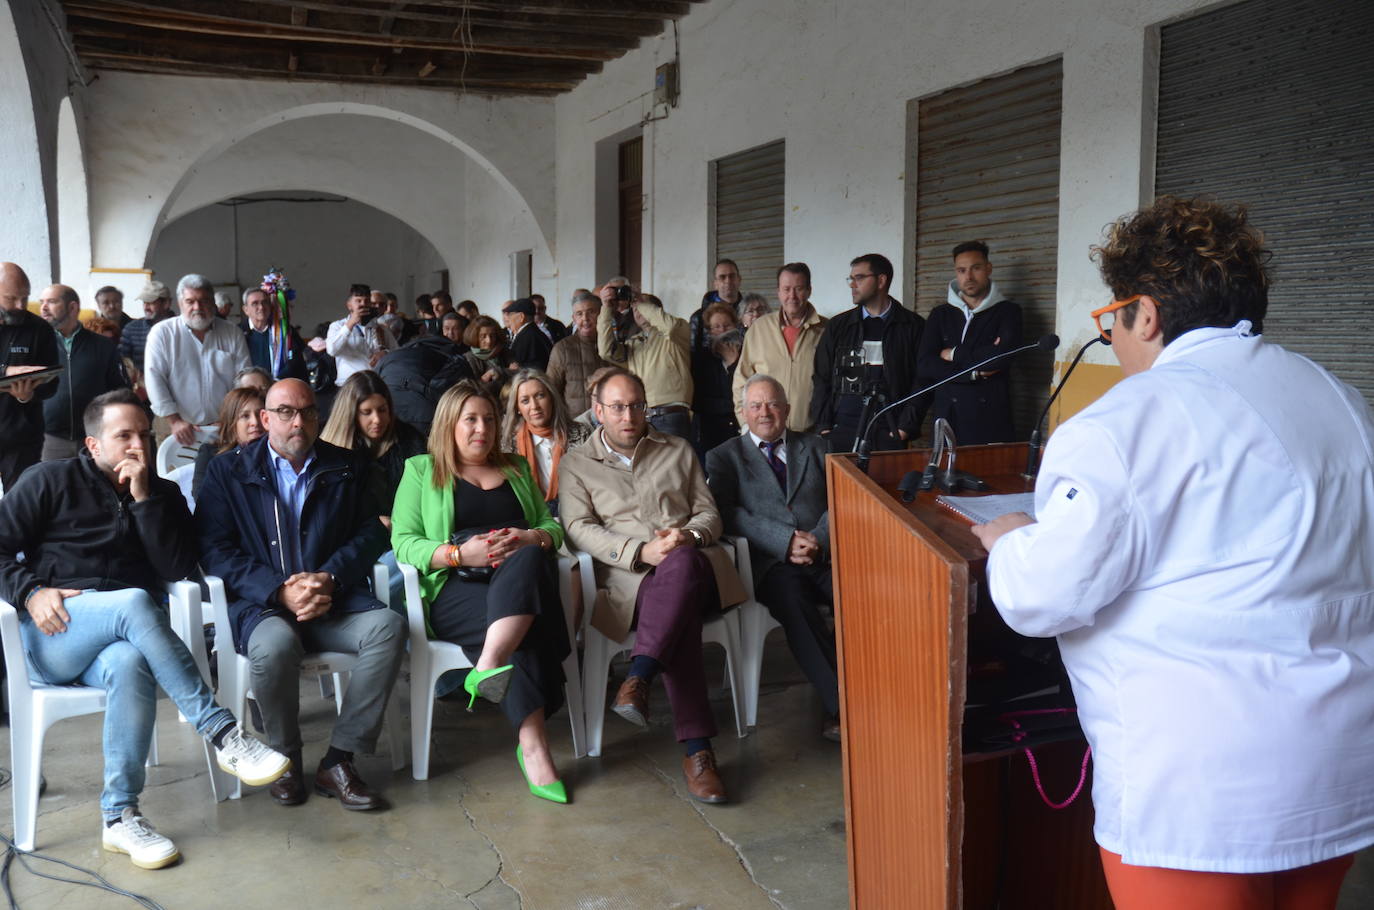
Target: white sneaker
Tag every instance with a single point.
(134, 835)
(249, 760)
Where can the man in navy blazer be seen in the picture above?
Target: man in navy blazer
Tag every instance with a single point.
(769, 485)
(290, 523)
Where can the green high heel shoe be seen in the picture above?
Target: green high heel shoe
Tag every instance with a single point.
(490, 684)
(554, 792)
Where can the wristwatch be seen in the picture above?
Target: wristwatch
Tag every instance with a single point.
(698, 538)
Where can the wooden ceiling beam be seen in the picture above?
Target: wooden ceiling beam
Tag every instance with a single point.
(473, 84)
(148, 16)
(577, 23)
(612, 9)
(325, 60)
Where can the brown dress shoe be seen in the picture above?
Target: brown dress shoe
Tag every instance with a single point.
(703, 782)
(343, 783)
(289, 789)
(830, 729)
(632, 701)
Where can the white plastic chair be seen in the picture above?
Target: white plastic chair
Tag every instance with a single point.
(755, 624)
(599, 650)
(34, 707)
(431, 659)
(172, 454)
(235, 687)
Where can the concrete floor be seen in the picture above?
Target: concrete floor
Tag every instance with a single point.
(471, 836)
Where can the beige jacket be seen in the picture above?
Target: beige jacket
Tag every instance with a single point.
(659, 356)
(571, 362)
(610, 511)
(765, 351)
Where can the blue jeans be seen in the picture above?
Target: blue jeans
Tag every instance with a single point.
(120, 641)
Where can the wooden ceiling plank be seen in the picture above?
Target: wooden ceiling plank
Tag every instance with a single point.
(115, 60)
(261, 31)
(193, 52)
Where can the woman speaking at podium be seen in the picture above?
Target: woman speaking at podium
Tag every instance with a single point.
(1204, 551)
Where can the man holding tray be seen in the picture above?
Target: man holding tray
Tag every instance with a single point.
(1203, 552)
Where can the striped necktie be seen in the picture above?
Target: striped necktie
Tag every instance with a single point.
(770, 452)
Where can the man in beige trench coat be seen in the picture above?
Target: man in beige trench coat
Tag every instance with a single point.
(637, 501)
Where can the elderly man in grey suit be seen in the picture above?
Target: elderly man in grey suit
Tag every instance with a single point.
(769, 485)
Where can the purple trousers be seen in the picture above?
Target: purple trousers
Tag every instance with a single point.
(673, 601)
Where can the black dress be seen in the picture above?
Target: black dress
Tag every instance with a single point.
(524, 584)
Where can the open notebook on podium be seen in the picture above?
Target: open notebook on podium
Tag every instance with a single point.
(983, 509)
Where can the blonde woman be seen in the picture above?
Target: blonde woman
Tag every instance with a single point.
(474, 522)
(539, 429)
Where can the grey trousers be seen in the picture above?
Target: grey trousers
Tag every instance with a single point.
(275, 649)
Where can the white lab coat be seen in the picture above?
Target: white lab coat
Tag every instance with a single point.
(1205, 553)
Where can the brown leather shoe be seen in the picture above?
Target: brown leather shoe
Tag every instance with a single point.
(343, 783)
(289, 789)
(703, 782)
(830, 728)
(632, 701)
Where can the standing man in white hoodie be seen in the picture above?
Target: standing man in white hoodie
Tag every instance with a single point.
(976, 323)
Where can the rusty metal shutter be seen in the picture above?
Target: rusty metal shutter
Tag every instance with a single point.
(1271, 103)
(987, 168)
(747, 215)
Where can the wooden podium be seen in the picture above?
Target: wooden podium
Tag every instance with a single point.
(928, 826)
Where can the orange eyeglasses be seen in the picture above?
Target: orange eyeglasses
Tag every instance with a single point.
(1109, 311)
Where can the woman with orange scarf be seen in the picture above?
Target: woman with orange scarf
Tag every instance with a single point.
(538, 427)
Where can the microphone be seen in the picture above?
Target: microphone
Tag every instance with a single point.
(1043, 343)
(1037, 440)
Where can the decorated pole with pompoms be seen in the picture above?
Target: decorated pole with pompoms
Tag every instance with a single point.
(279, 291)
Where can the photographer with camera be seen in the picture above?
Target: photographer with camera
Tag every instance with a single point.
(868, 355)
(636, 333)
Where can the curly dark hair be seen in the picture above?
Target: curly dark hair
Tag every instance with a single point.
(1201, 261)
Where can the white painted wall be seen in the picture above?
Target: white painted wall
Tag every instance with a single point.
(323, 247)
(73, 214)
(833, 77)
(33, 82)
(153, 137)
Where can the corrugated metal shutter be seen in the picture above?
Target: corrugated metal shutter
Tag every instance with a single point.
(748, 215)
(987, 168)
(1271, 103)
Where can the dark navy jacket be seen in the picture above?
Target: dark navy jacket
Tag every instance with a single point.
(240, 521)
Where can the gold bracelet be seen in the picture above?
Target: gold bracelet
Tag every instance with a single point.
(455, 557)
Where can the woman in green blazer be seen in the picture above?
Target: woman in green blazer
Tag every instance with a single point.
(473, 522)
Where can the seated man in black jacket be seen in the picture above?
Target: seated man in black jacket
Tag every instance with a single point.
(290, 523)
(98, 532)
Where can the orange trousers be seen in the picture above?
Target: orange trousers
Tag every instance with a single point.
(1313, 887)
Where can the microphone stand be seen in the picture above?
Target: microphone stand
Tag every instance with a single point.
(865, 447)
(1037, 439)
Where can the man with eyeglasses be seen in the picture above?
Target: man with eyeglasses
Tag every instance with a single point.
(191, 362)
(282, 358)
(976, 322)
(290, 523)
(1201, 548)
(769, 484)
(636, 500)
(725, 288)
(868, 352)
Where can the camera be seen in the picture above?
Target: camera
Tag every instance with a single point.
(624, 292)
(850, 370)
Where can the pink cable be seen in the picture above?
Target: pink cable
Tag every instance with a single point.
(1020, 734)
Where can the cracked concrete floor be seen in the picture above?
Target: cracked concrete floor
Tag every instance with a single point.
(472, 836)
